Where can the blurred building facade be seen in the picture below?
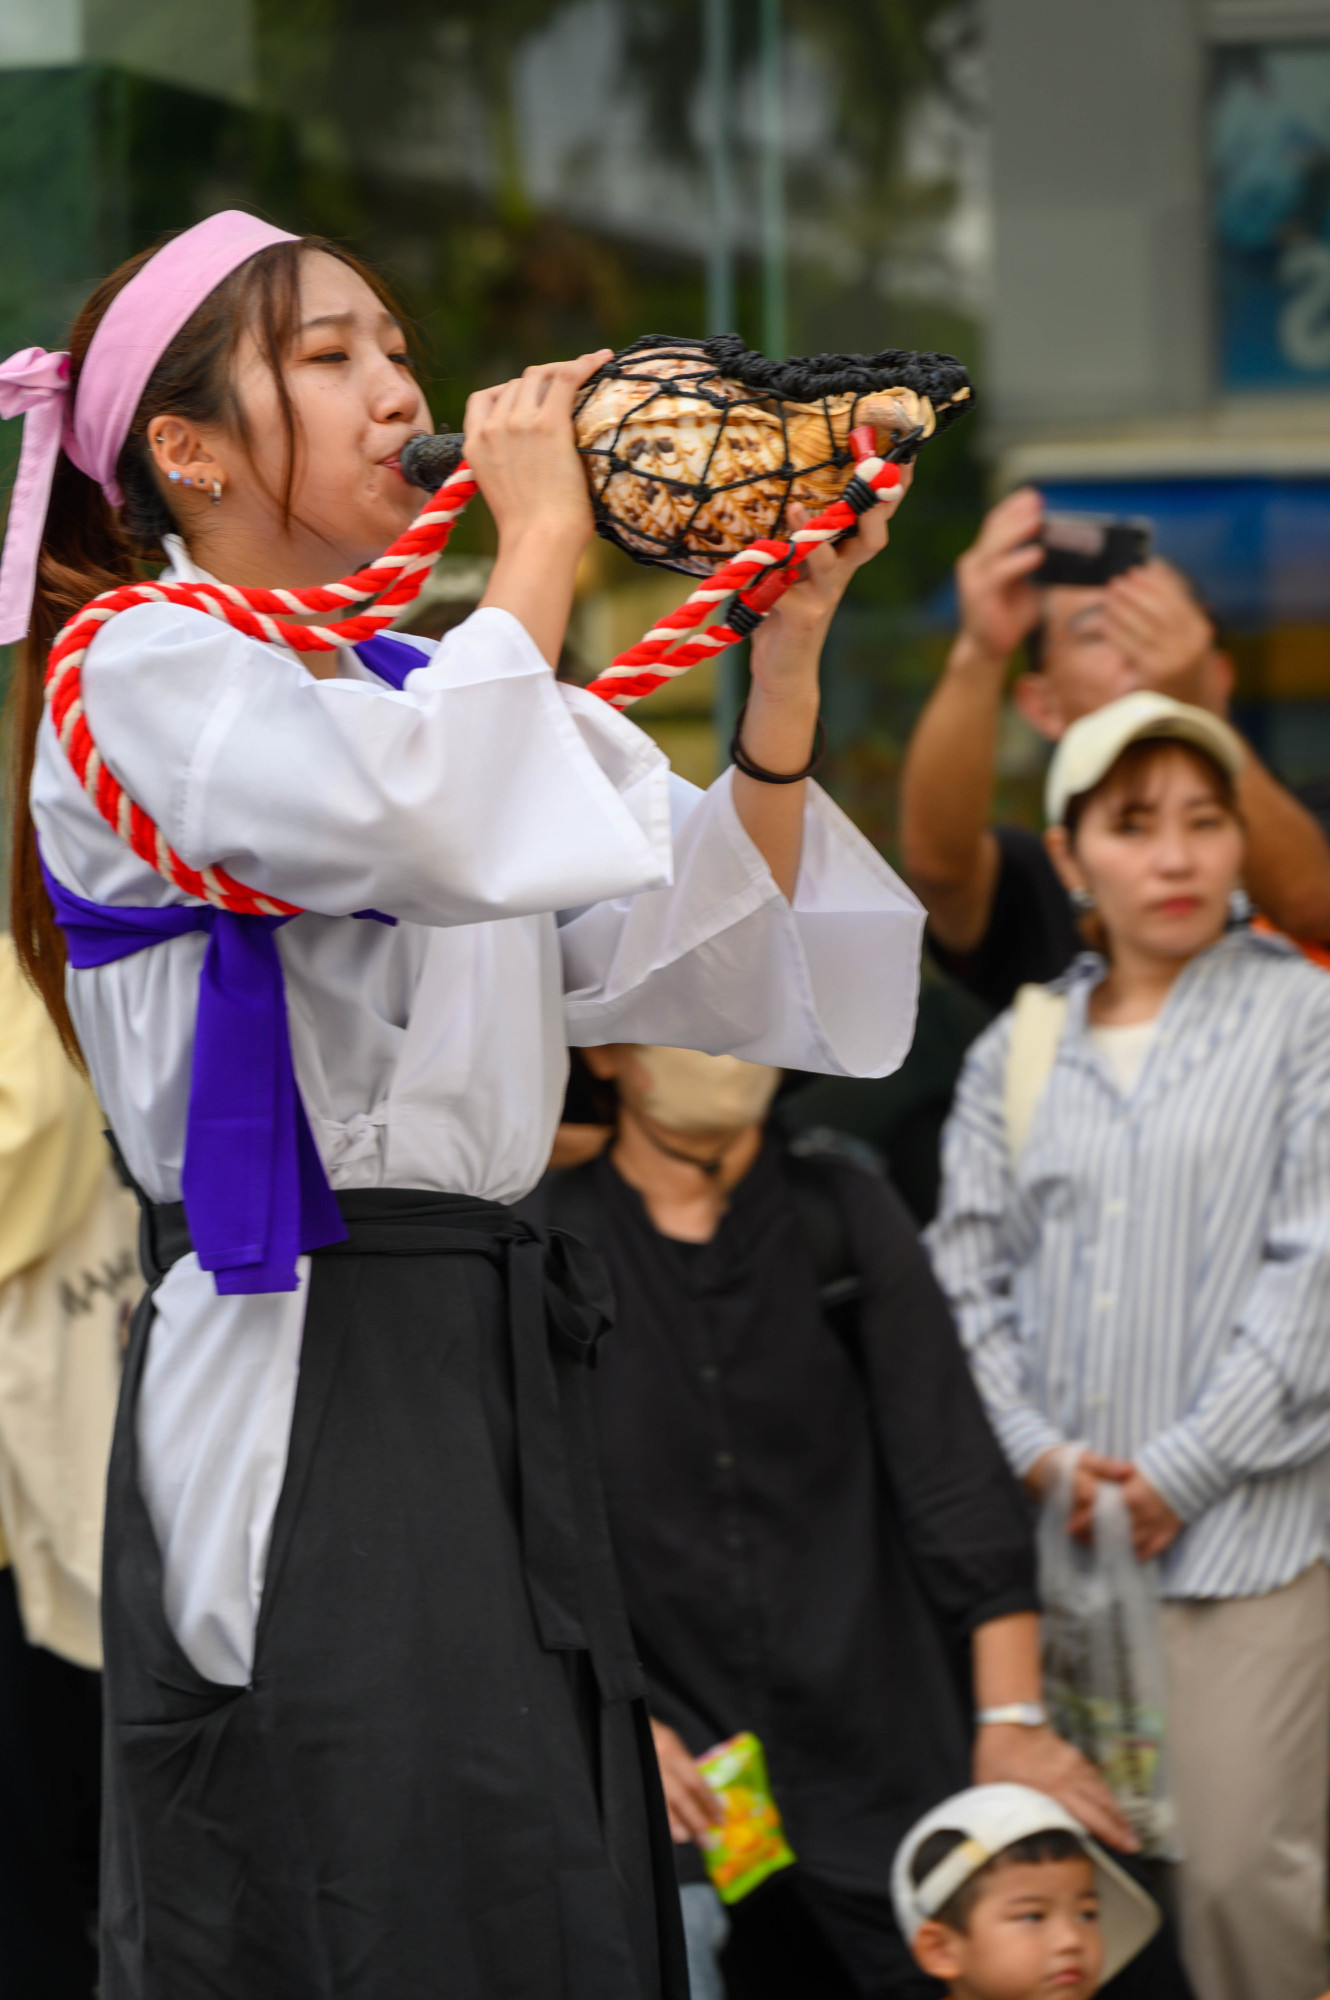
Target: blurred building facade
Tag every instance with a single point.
(1117, 211)
(1159, 326)
(532, 175)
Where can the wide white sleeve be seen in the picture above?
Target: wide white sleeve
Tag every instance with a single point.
(477, 791)
(720, 961)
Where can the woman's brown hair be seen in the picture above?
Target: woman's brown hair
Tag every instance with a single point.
(87, 548)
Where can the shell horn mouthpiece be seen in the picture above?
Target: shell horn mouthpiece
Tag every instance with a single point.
(427, 460)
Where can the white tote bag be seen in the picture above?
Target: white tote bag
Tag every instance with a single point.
(62, 1320)
(69, 1274)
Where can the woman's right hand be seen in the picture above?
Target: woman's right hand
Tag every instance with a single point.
(519, 444)
(1091, 1468)
(690, 1803)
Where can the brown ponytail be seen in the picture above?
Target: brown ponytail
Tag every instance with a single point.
(87, 548)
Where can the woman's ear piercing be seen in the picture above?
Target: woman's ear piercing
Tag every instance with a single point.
(216, 492)
(173, 475)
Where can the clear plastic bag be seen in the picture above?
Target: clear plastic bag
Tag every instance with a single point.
(1104, 1675)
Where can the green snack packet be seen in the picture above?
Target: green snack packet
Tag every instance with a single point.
(750, 1842)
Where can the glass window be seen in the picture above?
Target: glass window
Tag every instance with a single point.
(1269, 134)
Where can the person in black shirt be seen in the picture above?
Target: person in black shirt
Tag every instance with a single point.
(818, 1536)
(998, 916)
(902, 1115)
(1031, 933)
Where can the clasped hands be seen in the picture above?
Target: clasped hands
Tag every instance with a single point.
(1154, 1524)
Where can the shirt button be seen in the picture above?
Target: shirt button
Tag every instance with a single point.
(1115, 1207)
(724, 1460)
(709, 1374)
(1106, 1300)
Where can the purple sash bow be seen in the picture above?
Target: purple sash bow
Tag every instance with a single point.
(254, 1188)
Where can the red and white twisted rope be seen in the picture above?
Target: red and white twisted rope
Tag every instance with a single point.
(759, 574)
(756, 577)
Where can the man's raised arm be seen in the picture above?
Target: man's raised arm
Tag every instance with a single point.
(948, 851)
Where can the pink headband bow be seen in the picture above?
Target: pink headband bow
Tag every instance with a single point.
(136, 329)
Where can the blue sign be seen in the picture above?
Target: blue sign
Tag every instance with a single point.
(1269, 143)
(1255, 549)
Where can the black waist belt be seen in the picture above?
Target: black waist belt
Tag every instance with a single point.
(559, 1304)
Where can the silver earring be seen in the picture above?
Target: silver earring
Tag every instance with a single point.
(1240, 908)
(173, 475)
(216, 492)
(1081, 901)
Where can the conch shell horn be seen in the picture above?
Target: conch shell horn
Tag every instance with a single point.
(695, 448)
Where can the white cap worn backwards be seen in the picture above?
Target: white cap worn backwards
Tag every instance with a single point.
(1093, 744)
(993, 1817)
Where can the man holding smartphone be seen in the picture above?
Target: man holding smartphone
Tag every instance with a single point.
(998, 916)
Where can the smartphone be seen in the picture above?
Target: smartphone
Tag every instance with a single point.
(1087, 549)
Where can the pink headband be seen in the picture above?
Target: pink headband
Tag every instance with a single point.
(135, 331)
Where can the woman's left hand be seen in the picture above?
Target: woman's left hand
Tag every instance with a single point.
(1154, 1525)
(788, 645)
(781, 716)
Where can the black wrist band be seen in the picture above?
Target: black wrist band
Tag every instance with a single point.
(745, 764)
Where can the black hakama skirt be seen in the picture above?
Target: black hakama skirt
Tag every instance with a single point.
(439, 1783)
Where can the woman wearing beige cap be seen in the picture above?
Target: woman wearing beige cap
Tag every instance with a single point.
(1135, 1236)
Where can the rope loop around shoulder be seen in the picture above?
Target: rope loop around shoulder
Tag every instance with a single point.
(392, 581)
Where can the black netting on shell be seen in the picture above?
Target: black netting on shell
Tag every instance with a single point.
(673, 521)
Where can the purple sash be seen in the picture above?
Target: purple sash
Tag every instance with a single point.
(391, 659)
(253, 1185)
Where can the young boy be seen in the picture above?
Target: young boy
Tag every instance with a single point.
(1004, 1896)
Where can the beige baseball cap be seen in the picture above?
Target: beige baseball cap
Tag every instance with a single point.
(1093, 744)
(994, 1817)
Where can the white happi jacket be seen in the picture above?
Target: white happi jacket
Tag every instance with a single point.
(553, 883)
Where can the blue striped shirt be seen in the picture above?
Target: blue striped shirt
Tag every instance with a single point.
(1154, 1276)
